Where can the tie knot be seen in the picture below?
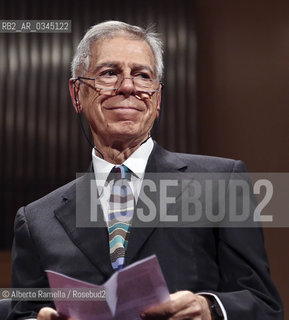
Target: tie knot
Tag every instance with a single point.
(119, 172)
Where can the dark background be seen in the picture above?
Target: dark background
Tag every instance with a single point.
(226, 94)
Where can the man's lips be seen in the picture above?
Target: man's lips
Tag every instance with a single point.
(124, 109)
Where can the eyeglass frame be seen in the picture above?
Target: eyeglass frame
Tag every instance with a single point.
(149, 92)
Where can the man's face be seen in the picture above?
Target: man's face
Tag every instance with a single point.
(123, 117)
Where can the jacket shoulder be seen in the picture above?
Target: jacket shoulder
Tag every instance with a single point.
(52, 200)
(200, 163)
(211, 163)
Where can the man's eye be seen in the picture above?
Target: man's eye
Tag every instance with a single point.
(143, 75)
(108, 73)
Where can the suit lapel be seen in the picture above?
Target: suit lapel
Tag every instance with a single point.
(160, 161)
(92, 240)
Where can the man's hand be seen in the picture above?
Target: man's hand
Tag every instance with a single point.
(47, 314)
(183, 305)
(51, 314)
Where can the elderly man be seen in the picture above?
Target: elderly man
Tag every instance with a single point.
(211, 273)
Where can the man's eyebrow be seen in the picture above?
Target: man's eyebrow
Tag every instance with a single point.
(114, 64)
(142, 67)
(106, 64)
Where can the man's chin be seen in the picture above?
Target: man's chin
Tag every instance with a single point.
(126, 131)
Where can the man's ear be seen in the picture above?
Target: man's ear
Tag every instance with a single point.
(159, 99)
(73, 90)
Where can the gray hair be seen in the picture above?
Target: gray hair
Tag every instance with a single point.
(108, 30)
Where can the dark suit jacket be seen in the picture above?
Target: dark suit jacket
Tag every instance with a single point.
(230, 262)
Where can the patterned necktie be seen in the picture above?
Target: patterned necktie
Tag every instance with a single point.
(121, 208)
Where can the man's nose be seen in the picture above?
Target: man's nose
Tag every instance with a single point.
(126, 87)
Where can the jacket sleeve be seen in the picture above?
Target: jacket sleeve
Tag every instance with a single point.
(246, 289)
(26, 270)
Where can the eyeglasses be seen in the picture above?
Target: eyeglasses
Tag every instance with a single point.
(109, 85)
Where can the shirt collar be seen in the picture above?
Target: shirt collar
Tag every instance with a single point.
(136, 162)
